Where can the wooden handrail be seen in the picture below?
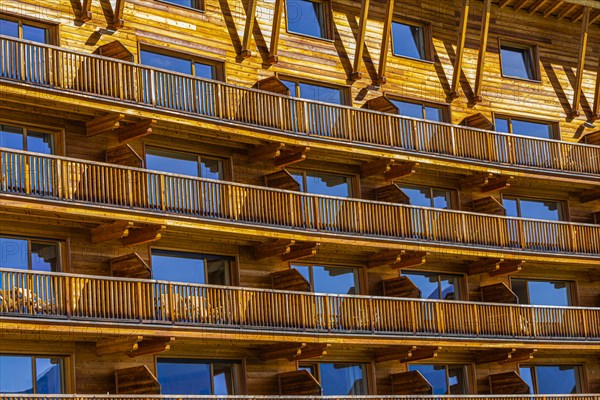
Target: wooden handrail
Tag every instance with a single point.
(55, 67)
(85, 297)
(67, 179)
(283, 397)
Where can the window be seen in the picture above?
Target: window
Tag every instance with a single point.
(309, 17)
(198, 377)
(326, 184)
(409, 41)
(31, 374)
(428, 197)
(184, 163)
(543, 130)
(339, 379)
(19, 138)
(32, 254)
(444, 379)
(535, 209)
(311, 91)
(197, 4)
(435, 286)
(543, 293)
(429, 112)
(27, 30)
(551, 379)
(519, 61)
(327, 279)
(191, 267)
(181, 63)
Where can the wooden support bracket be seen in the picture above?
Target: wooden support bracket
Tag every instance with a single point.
(394, 353)
(519, 355)
(265, 152)
(360, 41)
(314, 350)
(497, 183)
(422, 353)
(508, 267)
(589, 195)
(116, 230)
(250, 18)
(385, 258)
(118, 18)
(144, 235)
(401, 170)
(283, 350)
(134, 131)
(484, 266)
(126, 344)
(130, 266)
(273, 248)
(504, 356)
(483, 40)
(291, 156)
(153, 346)
(86, 11)
(470, 181)
(275, 30)
(411, 259)
(460, 47)
(103, 124)
(299, 251)
(385, 43)
(289, 279)
(376, 167)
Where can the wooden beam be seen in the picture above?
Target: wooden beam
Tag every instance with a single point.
(274, 248)
(283, 350)
(536, 6)
(291, 156)
(143, 235)
(483, 40)
(376, 167)
(265, 152)
(589, 195)
(299, 251)
(385, 43)
(118, 345)
(519, 355)
(503, 3)
(360, 42)
(86, 10)
(519, 5)
(385, 258)
(460, 49)
(583, 39)
(394, 353)
(470, 181)
(552, 9)
(153, 346)
(411, 259)
(250, 18)
(282, 180)
(596, 107)
(401, 170)
(313, 350)
(134, 131)
(497, 183)
(423, 353)
(566, 11)
(118, 14)
(130, 266)
(275, 30)
(103, 124)
(494, 356)
(508, 267)
(484, 266)
(116, 230)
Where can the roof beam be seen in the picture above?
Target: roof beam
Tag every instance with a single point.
(537, 5)
(385, 43)
(551, 10)
(86, 11)
(360, 43)
(144, 235)
(586, 3)
(566, 11)
(460, 48)
(250, 18)
(503, 3)
(275, 30)
(585, 25)
(520, 5)
(118, 20)
(483, 40)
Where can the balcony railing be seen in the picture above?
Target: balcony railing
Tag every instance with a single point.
(83, 297)
(348, 397)
(54, 67)
(66, 179)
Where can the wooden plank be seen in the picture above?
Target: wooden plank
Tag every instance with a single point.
(583, 40)
(125, 344)
(589, 195)
(282, 180)
(360, 42)
(291, 156)
(596, 107)
(310, 351)
(411, 259)
(376, 167)
(484, 266)
(289, 279)
(394, 353)
(508, 267)
(273, 248)
(103, 124)
(498, 293)
(385, 43)
(130, 266)
(275, 32)
(279, 351)
(154, 345)
(401, 286)
(143, 235)
(488, 205)
(265, 152)
(460, 48)
(410, 383)
(508, 383)
(483, 40)
(391, 194)
(385, 258)
(136, 380)
(135, 131)
(401, 170)
(497, 183)
(299, 382)
(300, 251)
(470, 181)
(248, 28)
(115, 230)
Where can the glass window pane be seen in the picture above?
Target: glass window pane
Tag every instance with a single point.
(449, 287)
(442, 199)
(48, 375)
(9, 28)
(408, 41)
(211, 169)
(40, 142)
(306, 17)
(172, 162)
(407, 109)
(35, 34)
(16, 376)
(526, 374)
(218, 272)
(519, 287)
(511, 207)
(343, 379)
(291, 86)
(224, 379)
(502, 125)
(418, 196)
(434, 114)
(185, 3)
(304, 271)
(517, 62)
(164, 61)
(554, 379)
(178, 267)
(435, 375)
(320, 93)
(426, 282)
(337, 280)
(13, 253)
(545, 293)
(204, 70)
(44, 256)
(327, 184)
(11, 137)
(548, 210)
(534, 129)
(457, 380)
(181, 376)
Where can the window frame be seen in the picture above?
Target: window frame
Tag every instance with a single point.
(52, 28)
(328, 23)
(241, 378)
(563, 208)
(572, 291)
(199, 5)
(359, 274)
(444, 107)
(462, 281)
(59, 245)
(343, 89)
(66, 367)
(579, 373)
(354, 191)
(217, 65)
(534, 53)
(555, 133)
(452, 192)
(57, 134)
(224, 164)
(468, 373)
(369, 371)
(427, 39)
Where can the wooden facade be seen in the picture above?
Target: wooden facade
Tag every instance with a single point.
(99, 213)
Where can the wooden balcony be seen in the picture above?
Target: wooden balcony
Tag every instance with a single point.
(86, 298)
(348, 397)
(70, 180)
(102, 77)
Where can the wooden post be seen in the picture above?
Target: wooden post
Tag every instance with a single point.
(585, 24)
(273, 59)
(485, 28)
(250, 17)
(86, 13)
(360, 43)
(460, 47)
(118, 21)
(596, 109)
(385, 42)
